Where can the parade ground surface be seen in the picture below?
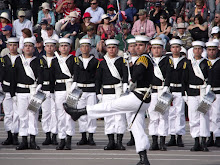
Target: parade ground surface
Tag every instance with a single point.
(95, 155)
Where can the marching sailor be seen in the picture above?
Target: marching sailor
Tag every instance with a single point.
(195, 76)
(62, 71)
(85, 79)
(11, 118)
(177, 110)
(112, 76)
(142, 76)
(26, 76)
(49, 119)
(163, 66)
(214, 81)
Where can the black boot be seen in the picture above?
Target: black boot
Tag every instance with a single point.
(172, 141)
(162, 143)
(119, 145)
(23, 145)
(15, 139)
(74, 113)
(210, 141)
(33, 144)
(196, 146)
(9, 139)
(47, 141)
(91, 140)
(143, 158)
(204, 145)
(61, 145)
(154, 145)
(131, 142)
(68, 142)
(83, 140)
(217, 142)
(180, 141)
(111, 143)
(54, 139)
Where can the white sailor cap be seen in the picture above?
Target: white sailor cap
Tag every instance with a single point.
(215, 30)
(111, 42)
(198, 43)
(63, 41)
(157, 42)
(13, 40)
(131, 41)
(140, 38)
(85, 41)
(29, 40)
(176, 42)
(212, 44)
(183, 50)
(51, 41)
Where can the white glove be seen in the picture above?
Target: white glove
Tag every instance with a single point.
(132, 86)
(125, 87)
(208, 88)
(165, 89)
(126, 56)
(73, 86)
(185, 98)
(99, 97)
(38, 88)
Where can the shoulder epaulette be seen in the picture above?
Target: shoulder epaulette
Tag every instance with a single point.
(209, 64)
(76, 60)
(142, 60)
(184, 65)
(41, 63)
(171, 62)
(98, 64)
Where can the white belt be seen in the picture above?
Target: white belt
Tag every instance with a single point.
(139, 90)
(64, 80)
(25, 86)
(112, 86)
(85, 85)
(46, 83)
(157, 87)
(215, 89)
(175, 85)
(6, 83)
(197, 86)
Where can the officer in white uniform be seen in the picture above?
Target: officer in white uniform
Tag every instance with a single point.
(49, 119)
(11, 118)
(214, 85)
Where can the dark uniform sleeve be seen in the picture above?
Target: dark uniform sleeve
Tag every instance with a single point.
(14, 78)
(185, 77)
(210, 73)
(125, 72)
(169, 71)
(76, 69)
(2, 69)
(52, 76)
(98, 82)
(40, 77)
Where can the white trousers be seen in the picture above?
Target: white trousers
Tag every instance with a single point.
(66, 126)
(11, 119)
(198, 122)
(49, 119)
(114, 123)
(28, 118)
(177, 120)
(86, 124)
(122, 105)
(214, 114)
(158, 124)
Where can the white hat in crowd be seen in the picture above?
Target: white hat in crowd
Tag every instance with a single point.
(64, 41)
(212, 44)
(176, 42)
(198, 43)
(29, 40)
(73, 14)
(141, 38)
(215, 30)
(13, 40)
(131, 41)
(46, 5)
(21, 13)
(50, 41)
(181, 26)
(6, 16)
(85, 41)
(111, 42)
(157, 42)
(104, 16)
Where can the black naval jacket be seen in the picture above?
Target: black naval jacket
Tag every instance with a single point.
(189, 77)
(214, 76)
(19, 75)
(104, 76)
(88, 75)
(56, 73)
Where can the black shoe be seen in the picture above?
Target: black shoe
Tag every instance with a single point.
(91, 140)
(172, 141)
(47, 141)
(15, 139)
(196, 146)
(9, 140)
(119, 145)
(217, 142)
(23, 145)
(131, 142)
(68, 142)
(111, 143)
(33, 144)
(54, 139)
(180, 141)
(74, 113)
(143, 158)
(61, 145)
(83, 140)
(211, 141)
(162, 143)
(204, 145)
(154, 145)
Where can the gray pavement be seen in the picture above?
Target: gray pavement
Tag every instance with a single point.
(95, 155)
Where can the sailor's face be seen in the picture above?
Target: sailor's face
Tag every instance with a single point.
(175, 49)
(197, 50)
(131, 49)
(212, 52)
(140, 48)
(13, 47)
(157, 50)
(49, 48)
(28, 49)
(85, 48)
(112, 50)
(64, 48)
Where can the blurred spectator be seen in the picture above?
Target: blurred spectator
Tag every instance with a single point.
(123, 3)
(39, 48)
(95, 11)
(106, 30)
(5, 20)
(25, 6)
(215, 22)
(111, 13)
(21, 23)
(4, 7)
(214, 5)
(156, 13)
(168, 4)
(123, 37)
(122, 21)
(6, 33)
(131, 12)
(215, 34)
(198, 9)
(143, 26)
(26, 33)
(86, 23)
(46, 14)
(179, 19)
(199, 29)
(43, 26)
(51, 34)
(36, 8)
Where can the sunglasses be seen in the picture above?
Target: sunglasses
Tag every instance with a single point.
(93, 3)
(162, 18)
(216, 17)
